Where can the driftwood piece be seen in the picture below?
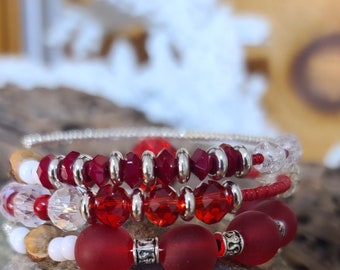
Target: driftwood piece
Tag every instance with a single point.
(317, 201)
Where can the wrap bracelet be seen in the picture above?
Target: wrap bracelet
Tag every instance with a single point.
(253, 237)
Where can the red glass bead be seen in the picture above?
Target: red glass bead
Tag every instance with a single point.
(87, 181)
(166, 167)
(131, 170)
(40, 207)
(162, 205)
(200, 163)
(105, 248)
(155, 145)
(261, 237)
(112, 205)
(10, 203)
(98, 170)
(65, 172)
(234, 159)
(257, 159)
(280, 212)
(42, 171)
(213, 201)
(188, 247)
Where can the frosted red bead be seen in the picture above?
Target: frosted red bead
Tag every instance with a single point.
(98, 170)
(42, 171)
(155, 145)
(280, 212)
(112, 205)
(213, 201)
(131, 170)
(166, 167)
(200, 163)
(65, 171)
(261, 237)
(40, 207)
(105, 248)
(162, 206)
(188, 247)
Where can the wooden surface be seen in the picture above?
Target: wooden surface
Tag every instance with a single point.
(317, 202)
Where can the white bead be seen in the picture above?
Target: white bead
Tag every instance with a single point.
(16, 239)
(28, 171)
(54, 249)
(67, 247)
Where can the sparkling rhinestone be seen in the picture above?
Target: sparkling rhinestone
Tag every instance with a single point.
(64, 208)
(274, 157)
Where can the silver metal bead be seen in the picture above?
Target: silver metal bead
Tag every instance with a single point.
(145, 251)
(190, 205)
(148, 167)
(137, 202)
(183, 165)
(53, 169)
(84, 207)
(233, 242)
(78, 167)
(236, 192)
(247, 161)
(222, 162)
(114, 161)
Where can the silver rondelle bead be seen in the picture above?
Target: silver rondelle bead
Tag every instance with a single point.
(222, 162)
(237, 194)
(232, 241)
(148, 166)
(53, 169)
(145, 251)
(78, 167)
(183, 165)
(137, 201)
(114, 161)
(247, 161)
(190, 205)
(84, 207)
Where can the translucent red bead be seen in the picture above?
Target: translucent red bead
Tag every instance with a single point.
(112, 205)
(200, 163)
(42, 171)
(65, 170)
(213, 201)
(98, 170)
(105, 248)
(155, 145)
(166, 167)
(40, 207)
(188, 247)
(131, 169)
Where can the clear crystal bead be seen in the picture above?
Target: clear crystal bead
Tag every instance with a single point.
(291, 144)
(64, 208)
(5, 193)
(23, 204)
(274, 157)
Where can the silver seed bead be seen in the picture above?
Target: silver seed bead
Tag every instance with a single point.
(183, 165)
(247, 161)
(78, 167)
(114, 161)
(190, 204)
(148, 167)
(145, 251)
(222, 162)
(236, 192)
(137, 202)
(53, 170)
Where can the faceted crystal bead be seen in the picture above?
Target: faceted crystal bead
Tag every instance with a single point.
(112, 205)
(64, 208)
(200, 163)
(23, 204)
(98, 170)
(162, 206)
(131, 169)
(234, 159)
(42, 171)
(7, 195)
(274, 157)
(155, 145)
(213, 201)
(166, 167)
(65, 173)
(292, 146)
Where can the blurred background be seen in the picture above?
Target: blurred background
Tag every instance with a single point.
(258, 67)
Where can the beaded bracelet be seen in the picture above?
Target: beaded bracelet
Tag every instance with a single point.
(273, 225)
